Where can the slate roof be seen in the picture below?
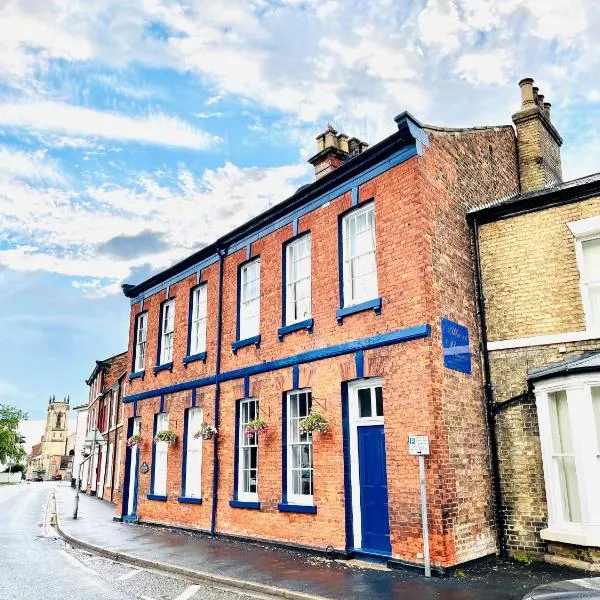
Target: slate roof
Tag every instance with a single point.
(590, 361)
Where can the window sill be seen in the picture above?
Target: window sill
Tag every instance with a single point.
(356, 308)
(156, 498)
(186, 500)
(194, 357)
(577, 538)
(307, 324)
(240, 504)
(298, 508)
(247, 342)
(137, 375)
(166, 367)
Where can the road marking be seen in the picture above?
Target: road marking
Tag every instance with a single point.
(146, 598)
(129, 575)
(76, 563)
(188, 592)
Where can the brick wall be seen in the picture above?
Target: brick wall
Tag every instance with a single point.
(531, 287)
(530, 276)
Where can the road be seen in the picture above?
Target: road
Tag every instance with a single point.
(36, 565)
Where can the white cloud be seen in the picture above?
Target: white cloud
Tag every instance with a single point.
(488, 68)
(29, 165)
(72, 120)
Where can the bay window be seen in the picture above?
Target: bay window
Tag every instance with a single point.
(569, 421)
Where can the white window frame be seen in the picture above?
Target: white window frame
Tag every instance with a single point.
(141, 333)
(193, 480)
(292, 280)
(198, 319)
(585, 230)
(578, 390)
(246, 443)
(249, 306)
(167, 332)
(118, 459)
(161, 453)
(114, 403)
(109, 466)
(350, 298)
(292, 498)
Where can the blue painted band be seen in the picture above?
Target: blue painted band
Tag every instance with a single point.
(246, 387)
(359, 359)
(186, 418)
(184, 500)
(399, 156)
(194, 357)
(297, 508)
(355, 195)
(194, 392)
(295, 377)
(235, 346)
(162, 404)
(240, 504)
(306, 324)
(136, 375)
(350, 310)
(295, 226)
(156, 497)
(166, 367)
(129, 518)
(377, 341)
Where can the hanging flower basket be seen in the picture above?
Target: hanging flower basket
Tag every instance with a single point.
(314, 422)
(206, 432)
(166, 436)
(134, 440)
(256, 427)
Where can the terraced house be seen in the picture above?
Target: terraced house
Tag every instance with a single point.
(354, 301)
(539, 263)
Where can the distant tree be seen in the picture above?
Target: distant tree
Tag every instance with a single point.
(16, 468)
(11, 442)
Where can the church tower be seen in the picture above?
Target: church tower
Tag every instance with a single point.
(57, 427)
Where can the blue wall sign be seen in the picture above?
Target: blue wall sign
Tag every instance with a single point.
(455, 345)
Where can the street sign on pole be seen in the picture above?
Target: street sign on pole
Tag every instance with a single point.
(418, 445)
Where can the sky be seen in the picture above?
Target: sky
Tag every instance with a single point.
(133, 132)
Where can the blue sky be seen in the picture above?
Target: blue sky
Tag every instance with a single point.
(134, 131)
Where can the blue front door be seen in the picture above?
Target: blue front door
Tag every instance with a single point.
(375, 520)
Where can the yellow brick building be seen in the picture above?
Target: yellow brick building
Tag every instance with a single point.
(538, 267)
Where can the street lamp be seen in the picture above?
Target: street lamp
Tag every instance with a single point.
(94, 437)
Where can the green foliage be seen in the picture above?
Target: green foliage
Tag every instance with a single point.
(18, 468)
(166, 436)
(522, 558)
(314, 422)
(11, 447)
(459, 573)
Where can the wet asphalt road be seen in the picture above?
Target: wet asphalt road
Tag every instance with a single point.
(34, 565)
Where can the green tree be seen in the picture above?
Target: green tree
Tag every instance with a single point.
(11, 447)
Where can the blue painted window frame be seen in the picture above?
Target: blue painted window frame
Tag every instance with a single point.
(183, 499)
(234, 502)
(152, 495)
(188, 358)
(307, 324)
(374, 303)
(158, 366)
(238, 343)
(284, 505)
(135, 374)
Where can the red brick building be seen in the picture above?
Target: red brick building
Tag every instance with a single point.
(100, 474)
(353, 300)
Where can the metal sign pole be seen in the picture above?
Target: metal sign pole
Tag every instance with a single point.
(426, 557)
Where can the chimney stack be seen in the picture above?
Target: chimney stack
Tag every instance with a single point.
(538, 141)
(333, 149)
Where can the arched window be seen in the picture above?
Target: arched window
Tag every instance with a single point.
(58, 420)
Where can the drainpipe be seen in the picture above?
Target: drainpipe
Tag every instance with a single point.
(213, 523)
(489, 397)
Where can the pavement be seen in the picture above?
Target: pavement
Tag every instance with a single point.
(260, 568)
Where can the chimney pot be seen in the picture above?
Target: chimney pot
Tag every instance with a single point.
(527, 100)
(547, 106)
(342, 139)
(541, 101)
